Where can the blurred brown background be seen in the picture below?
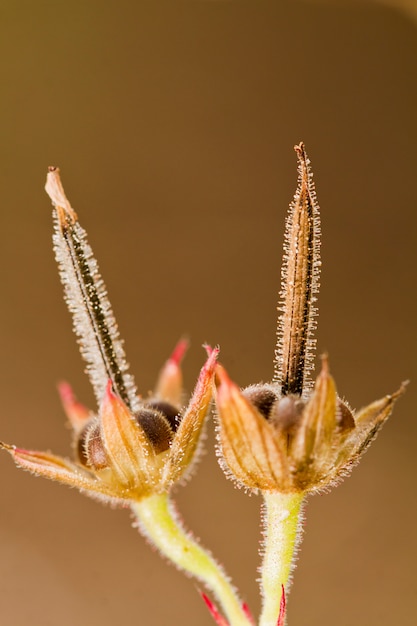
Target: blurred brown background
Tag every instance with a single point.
(173, 125)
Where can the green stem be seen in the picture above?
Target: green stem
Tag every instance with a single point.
(158, 521)
(281, 536)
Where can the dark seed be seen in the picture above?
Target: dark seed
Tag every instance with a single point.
(262, 397)
(80, 446)
(156, 427)
(168, 410)
(344, 418)
(90, 447)
(287, 412)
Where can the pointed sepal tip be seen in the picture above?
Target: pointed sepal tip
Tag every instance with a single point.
(216, 615)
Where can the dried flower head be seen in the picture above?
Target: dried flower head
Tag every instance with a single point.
(285, 436)
(133, 447)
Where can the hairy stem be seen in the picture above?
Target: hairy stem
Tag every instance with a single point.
(158, 521)
(281, 536)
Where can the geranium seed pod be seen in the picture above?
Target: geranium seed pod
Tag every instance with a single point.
(156, 428)
(344, 418)
(262, 397)
(90, 449)
(286, 412)
(168, 410)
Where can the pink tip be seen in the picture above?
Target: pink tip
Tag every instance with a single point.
(111, 399)
(110, 395)
(218, 618)
(66, 393)
(209, 366)
(21, 450)
(212, 354)
(179, 351)
(247, 612)
(225, 386)
(282, 606)
(76, 412)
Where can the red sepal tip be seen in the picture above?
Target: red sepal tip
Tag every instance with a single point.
(110, 393)
(210, 350)
(282, 606)
(76, 412)
(247, 612)
(218, 618)
(179, 351)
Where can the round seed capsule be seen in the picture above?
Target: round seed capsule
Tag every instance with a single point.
(286, 412)
(156, 427)
(262, 397)
(169, 411)
(344, 418)
(90, 449)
